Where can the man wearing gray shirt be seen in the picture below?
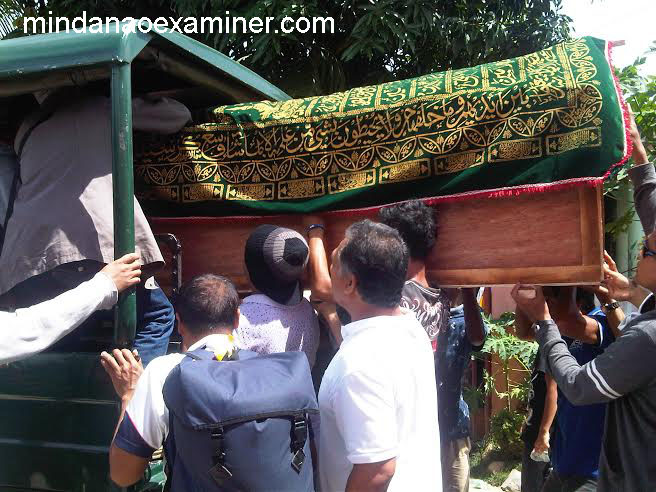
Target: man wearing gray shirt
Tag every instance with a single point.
(61, 229)
(625, 374)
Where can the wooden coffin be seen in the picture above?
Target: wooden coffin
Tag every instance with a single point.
(542, 238)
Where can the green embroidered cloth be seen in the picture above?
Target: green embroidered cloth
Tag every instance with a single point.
(549, 119)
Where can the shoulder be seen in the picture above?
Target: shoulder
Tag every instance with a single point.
(151, 384)
(412, 286)
(159, 368)
(642, 324)
(606, 335)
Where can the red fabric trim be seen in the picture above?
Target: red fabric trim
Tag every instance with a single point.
(495, 193)
(624, 107)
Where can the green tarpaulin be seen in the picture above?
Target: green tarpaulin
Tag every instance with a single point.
(545, 120)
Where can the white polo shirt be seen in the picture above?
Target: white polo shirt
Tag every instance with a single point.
(378, 401)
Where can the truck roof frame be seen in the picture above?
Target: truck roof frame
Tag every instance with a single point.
(43, 61)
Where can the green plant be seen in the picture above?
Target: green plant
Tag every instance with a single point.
(505, 431)
(512, 363)
(502, 342)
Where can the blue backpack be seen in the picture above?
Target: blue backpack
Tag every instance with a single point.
(241, 424)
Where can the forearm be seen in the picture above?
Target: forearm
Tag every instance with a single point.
(328, 312)
(523, 326)
(31, 330)
(550, 405)
(615, 318)
(371, 477)
(572, 379)
(474, 325)
(320, 283)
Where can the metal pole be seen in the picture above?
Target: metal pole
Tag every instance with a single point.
(125, 317)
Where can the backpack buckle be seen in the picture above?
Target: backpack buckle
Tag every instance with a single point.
(299, 433)
(297, 460)
(219, 472)
(299, 436)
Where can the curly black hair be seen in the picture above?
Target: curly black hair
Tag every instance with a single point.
(415, 222)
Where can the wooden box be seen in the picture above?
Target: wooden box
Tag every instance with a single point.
(554, 238)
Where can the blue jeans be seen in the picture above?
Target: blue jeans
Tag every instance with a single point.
(155, 315)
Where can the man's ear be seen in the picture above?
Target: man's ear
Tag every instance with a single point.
(351, 284)
(235, 323)
(181, 327)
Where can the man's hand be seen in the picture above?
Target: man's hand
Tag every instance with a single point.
(639, 154)
(124, 368)
(617, 285)
(531, 301)
(600, 291)
(541, 442)
(124, 272)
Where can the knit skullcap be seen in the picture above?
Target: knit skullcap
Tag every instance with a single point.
(275, 258)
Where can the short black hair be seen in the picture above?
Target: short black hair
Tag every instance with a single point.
(415, 222)
(585, 299)
(207, 302)
(378, 257)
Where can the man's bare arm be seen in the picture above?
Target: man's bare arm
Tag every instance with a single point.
(523, 325)
(371, 477)
(125, 469)
(550, 407)
(320, 283)
(124, 369)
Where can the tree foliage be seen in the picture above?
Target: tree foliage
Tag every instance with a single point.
(374, 40)
(640, 94)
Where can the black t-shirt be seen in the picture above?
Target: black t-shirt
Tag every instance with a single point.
(537, 396)
(430, 306)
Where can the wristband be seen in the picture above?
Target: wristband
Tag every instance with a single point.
(315, 226)
(611, 306)
(539, 325)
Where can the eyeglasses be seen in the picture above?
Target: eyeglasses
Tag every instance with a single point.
(646, 251)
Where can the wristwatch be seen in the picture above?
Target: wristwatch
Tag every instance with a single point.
(610, 306)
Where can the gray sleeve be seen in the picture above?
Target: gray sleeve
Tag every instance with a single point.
(643, 178)
(162, 115)
(8, 166)
(627, 364)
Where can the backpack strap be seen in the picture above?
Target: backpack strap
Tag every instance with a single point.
(219, 471)
(203, 354)
(299, 437)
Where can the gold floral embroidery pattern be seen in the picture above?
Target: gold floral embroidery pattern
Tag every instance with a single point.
(537, 105)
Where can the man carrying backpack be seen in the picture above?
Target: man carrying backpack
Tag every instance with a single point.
(228, 420)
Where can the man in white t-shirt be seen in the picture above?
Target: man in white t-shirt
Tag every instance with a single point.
(377, 399)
